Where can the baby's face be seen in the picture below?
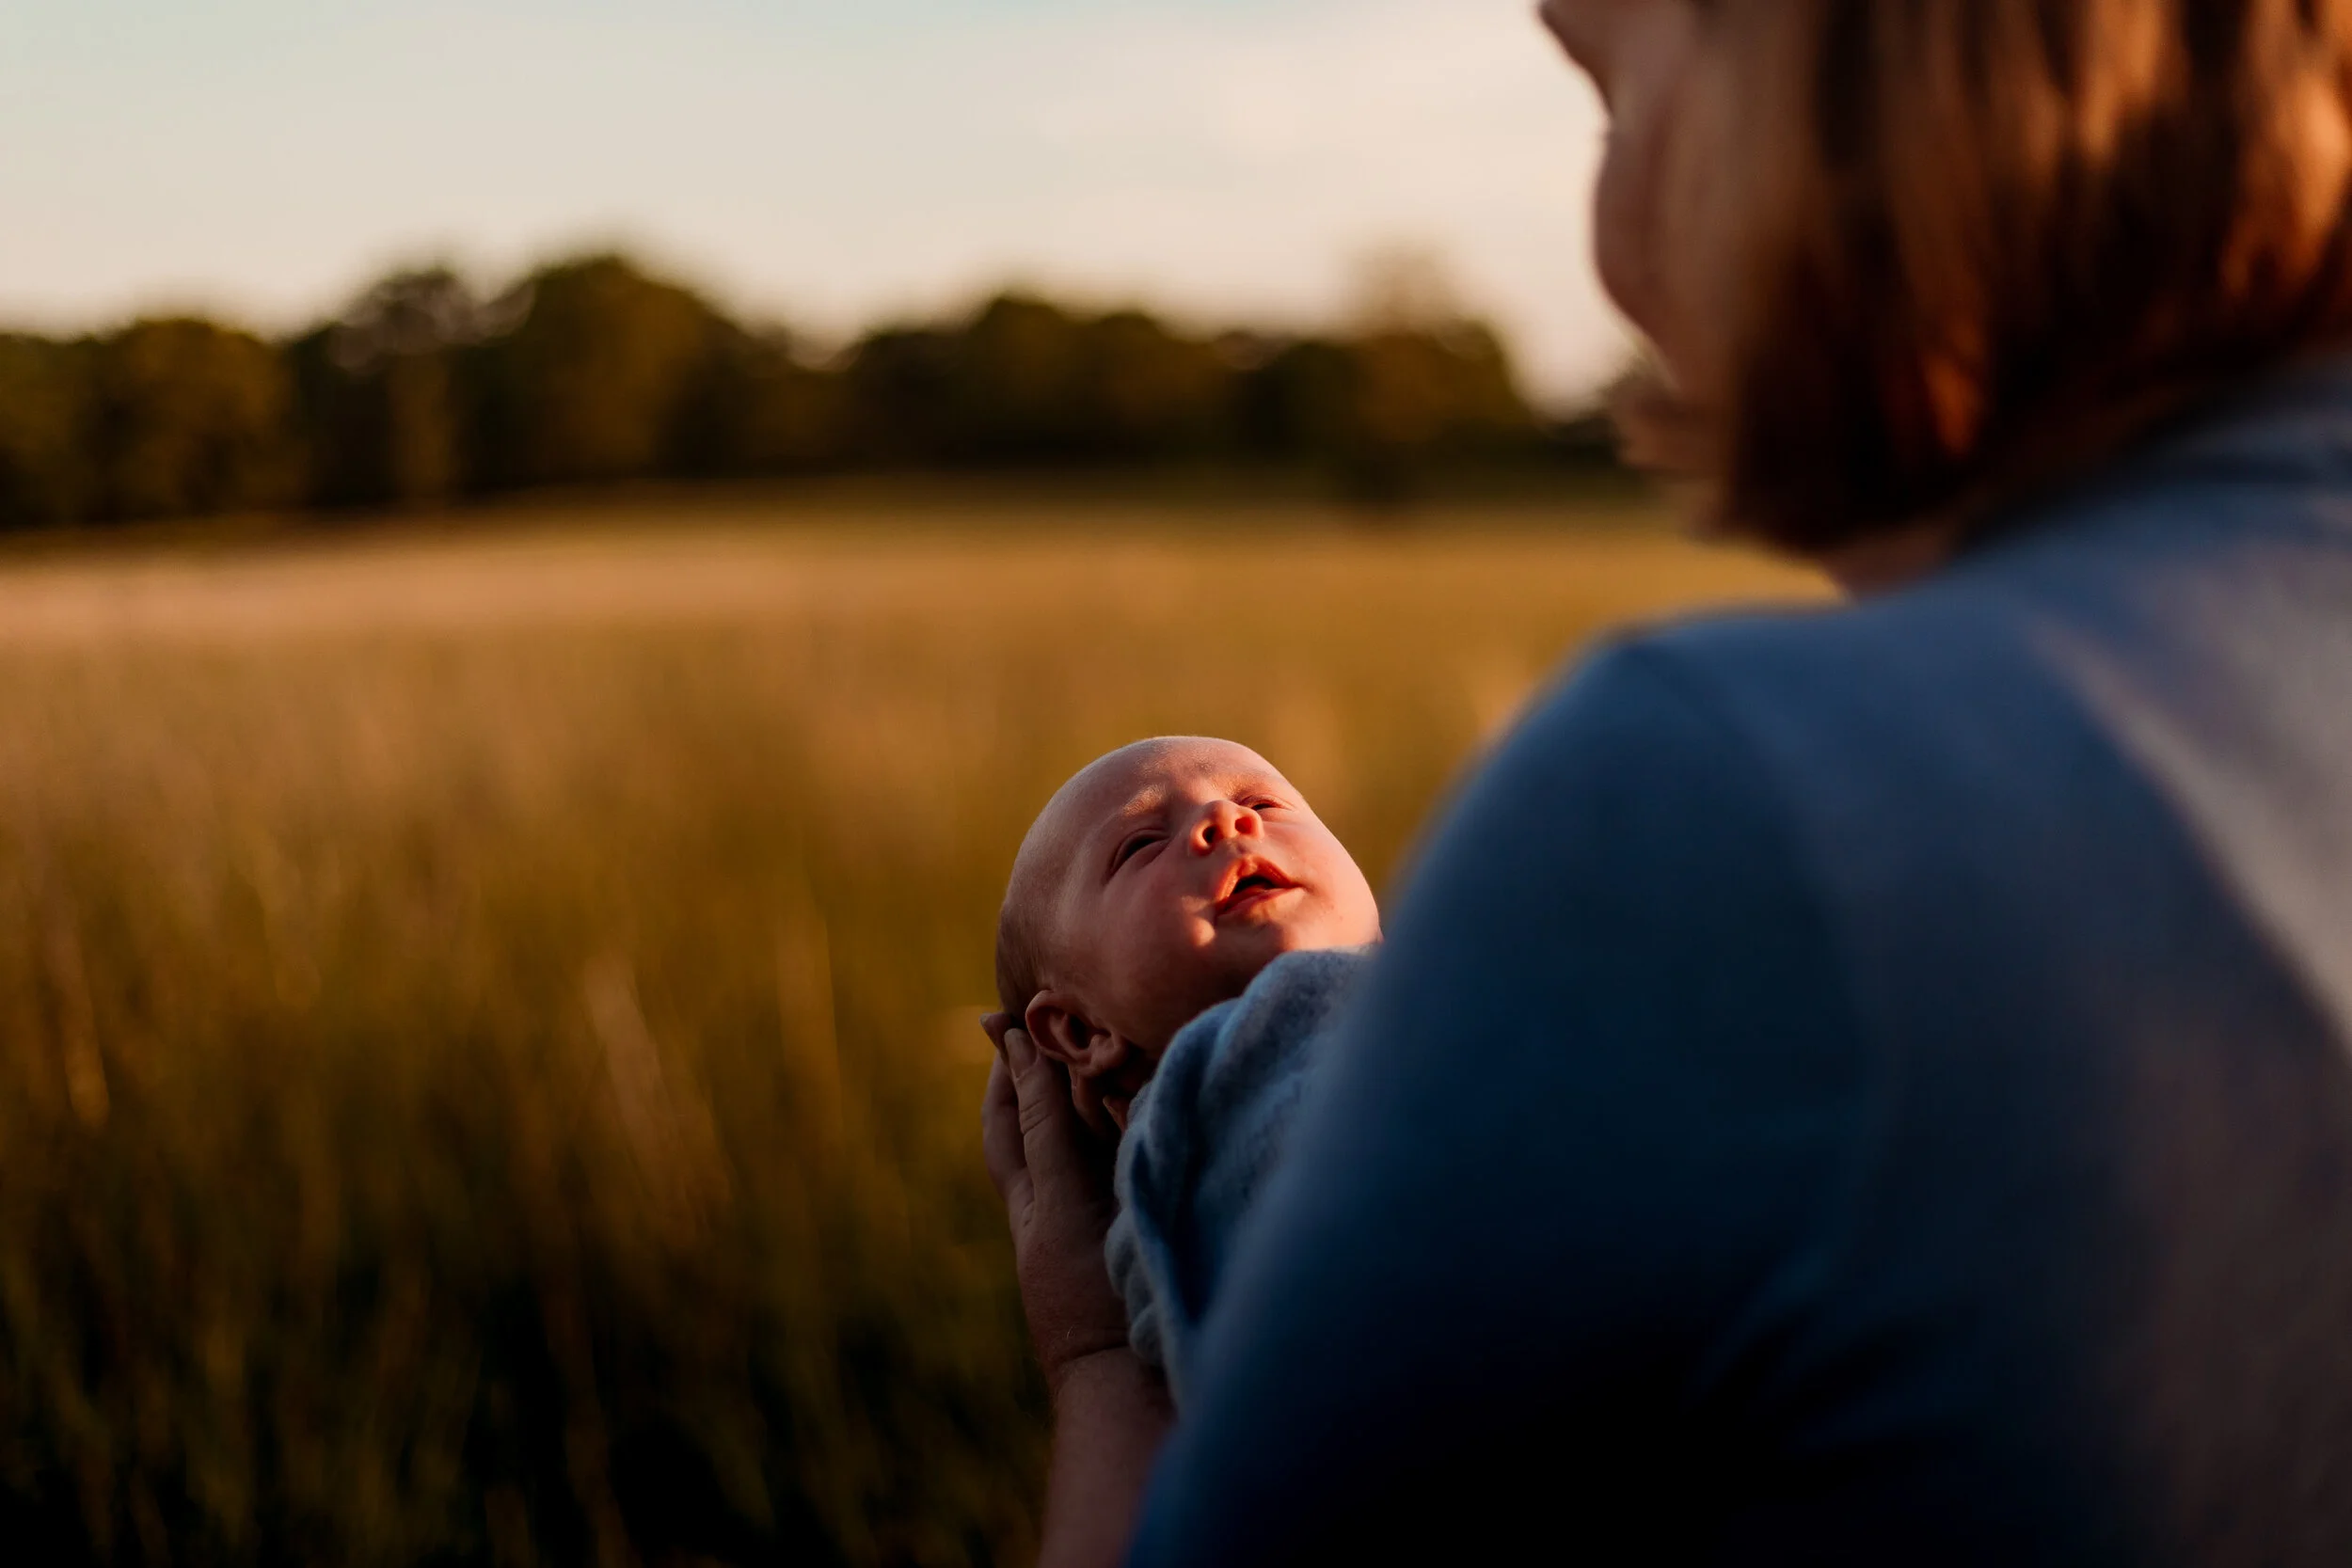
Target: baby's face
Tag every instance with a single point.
(1185, 867)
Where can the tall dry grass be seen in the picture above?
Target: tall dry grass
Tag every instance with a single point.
(488, 1057)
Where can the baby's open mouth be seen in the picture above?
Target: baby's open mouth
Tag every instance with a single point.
(1249, 882)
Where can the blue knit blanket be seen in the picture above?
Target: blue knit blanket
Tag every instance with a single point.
(1203, 1137)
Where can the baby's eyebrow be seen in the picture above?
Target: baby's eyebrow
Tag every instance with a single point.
(1149, 802)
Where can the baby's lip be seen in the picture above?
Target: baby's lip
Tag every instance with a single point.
(1250, 877)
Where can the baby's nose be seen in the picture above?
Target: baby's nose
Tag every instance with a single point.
(1224, 821)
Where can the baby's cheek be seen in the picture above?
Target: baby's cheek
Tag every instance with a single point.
(1349, 922)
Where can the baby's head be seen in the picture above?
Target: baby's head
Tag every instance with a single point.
(1155, 884)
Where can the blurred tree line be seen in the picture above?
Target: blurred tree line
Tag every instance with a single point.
(592, 370)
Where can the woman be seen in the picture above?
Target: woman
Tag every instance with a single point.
(1867, 1086)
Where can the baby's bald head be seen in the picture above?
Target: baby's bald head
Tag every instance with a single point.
(1157, 883)
(1161, 878)
(1027, 927)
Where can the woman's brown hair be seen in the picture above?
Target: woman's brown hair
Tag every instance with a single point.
(1982, 244)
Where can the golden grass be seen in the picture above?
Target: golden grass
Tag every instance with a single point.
(487, 1027)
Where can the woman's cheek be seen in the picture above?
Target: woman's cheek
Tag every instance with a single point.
(1653, 204)
(1616, 246)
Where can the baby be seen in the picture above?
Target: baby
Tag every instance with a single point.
(1178, 926)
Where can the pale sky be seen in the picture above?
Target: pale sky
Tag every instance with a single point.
(824, 163)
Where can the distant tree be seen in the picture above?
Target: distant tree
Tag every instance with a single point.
(904, 388)
(1297, 399)
(607, 375)
(1449, 393)
(1385, 409)
(1156, 394)
(388, 406)
(592, 370)
(1403, 287)
(48, 473)
(759, 408)
(190, 417)
(1026, 382)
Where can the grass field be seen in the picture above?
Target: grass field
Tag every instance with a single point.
(488, 1062)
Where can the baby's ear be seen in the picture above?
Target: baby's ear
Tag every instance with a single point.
(1067, 1034)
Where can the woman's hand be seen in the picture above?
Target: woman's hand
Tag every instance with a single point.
(1110, 1411)
(1054, 1175)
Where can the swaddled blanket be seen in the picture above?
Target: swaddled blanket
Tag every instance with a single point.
(1202, 1139)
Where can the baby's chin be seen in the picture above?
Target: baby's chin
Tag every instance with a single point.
(1305, 927)
(1238, 956)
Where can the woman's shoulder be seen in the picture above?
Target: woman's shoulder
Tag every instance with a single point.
(1894, 718)
(1643, 735)
(1814, 772)
(1634, 780)
(1973, 775)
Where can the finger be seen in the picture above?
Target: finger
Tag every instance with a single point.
(995, 1025)
(1000, 1137)
(1039, 1083)
(1056, 1150)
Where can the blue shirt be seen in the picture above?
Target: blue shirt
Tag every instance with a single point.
(1859, 1087)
